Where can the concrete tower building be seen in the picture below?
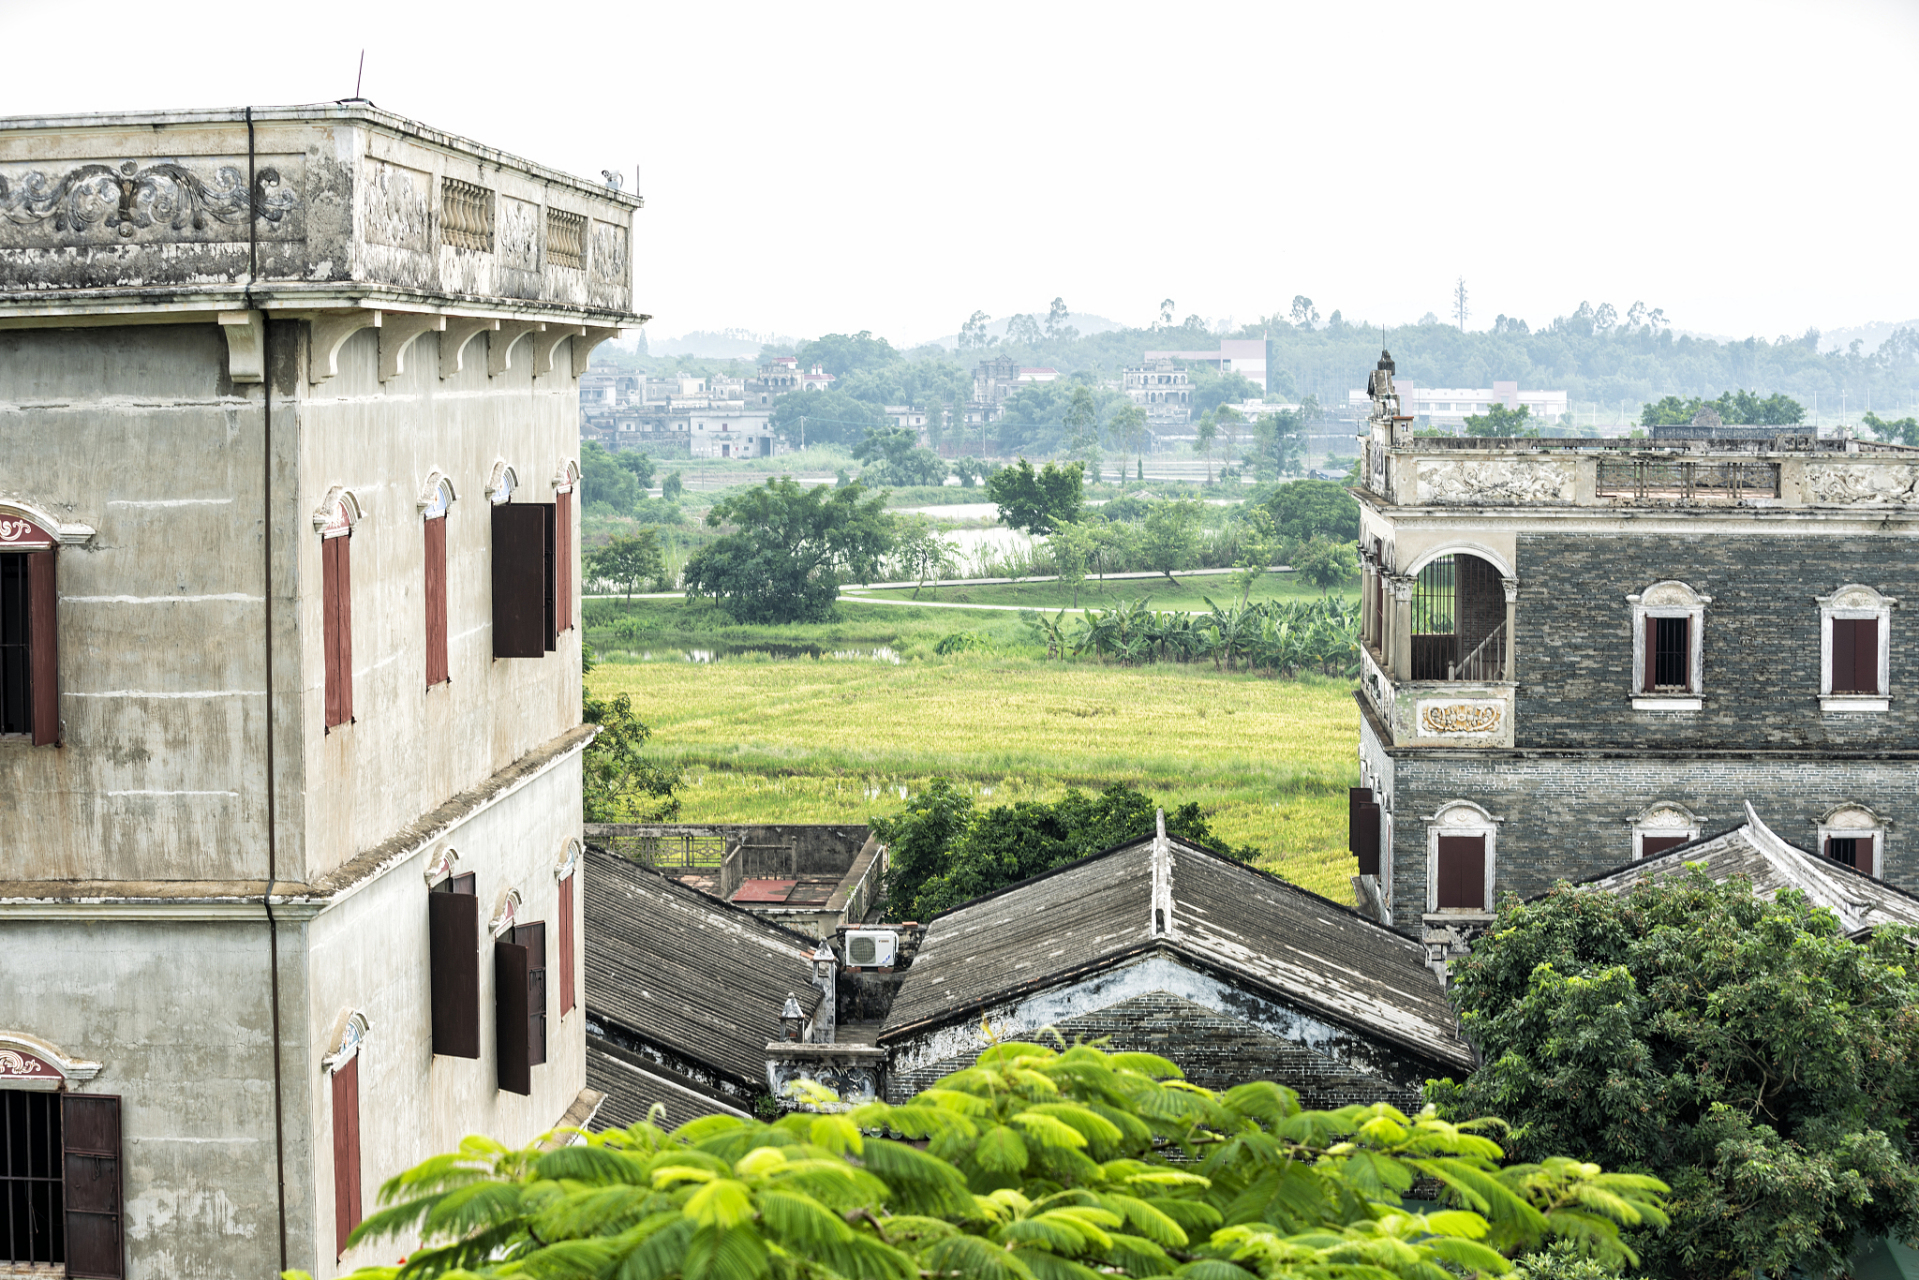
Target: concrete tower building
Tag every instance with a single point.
(289, 671)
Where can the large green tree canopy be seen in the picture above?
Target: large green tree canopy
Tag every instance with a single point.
(1035, 1164)
(1037, 501)
(789, 551)
(1739, 1049)
(1304, 509)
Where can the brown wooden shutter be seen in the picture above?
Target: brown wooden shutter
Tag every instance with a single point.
(1355, 796)
(1368, 839)
(90, 1134)
(43, 655)
(336, 597)
(519, 567)
(1652, 656)
(1462, 873)
(346, 1152)
(566, 944)
(436, 661)
(1844, 645)
(533, 938)
(453, 920)
(1865, 660)
(1649, 845)
(510, 978)
(549, 578)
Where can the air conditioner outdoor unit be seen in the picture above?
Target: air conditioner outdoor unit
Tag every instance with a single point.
(871, 948)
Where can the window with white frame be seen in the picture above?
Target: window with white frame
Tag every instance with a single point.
(1855, 624)
(1461, 853)
(1668, 639)
(1854, 835)
(1662, 826)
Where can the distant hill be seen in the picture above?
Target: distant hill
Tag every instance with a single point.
(1088, 325)
(1871, 335)
(727, 344)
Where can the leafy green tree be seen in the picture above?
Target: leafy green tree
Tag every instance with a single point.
(1081, 421)
(1039, 1163)
(1738, 1048)
(972, 334)
(1498, 420)
(841, 354)
(969, 470)
(1231, 422)
(790, 550)
(898, 459)
(946, 852)
(604, 483)
(618, 782)
(1278, 444)
(1205, 434)
(1023, 330)
(628, 561)
(1127, 427)
(1211, 388)
(922, 551)
(1304, 509)
(1671, 411)
(1170, 535)
(1325, 563)
(831, 417)
(672, 487)
(640, 464)
(1735, 408)
(1057, 330)
(1904, 430)
(1037, 501)
(1072, 547)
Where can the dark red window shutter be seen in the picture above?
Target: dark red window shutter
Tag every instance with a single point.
(1649, 845)
(453, 924)
(1855, 655)
(1355, 796)
(43, 648)
(1368, 839)
(90, 1133)
(1866, 655)
(563, 510)
(566, 944)
(336, 597)
(1462, 873)
(519, 580)
(436, 663)
(550, 572)
(511, 965)
(346, 1153)
(533, 937)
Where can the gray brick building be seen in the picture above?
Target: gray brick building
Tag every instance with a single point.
(1581, 652)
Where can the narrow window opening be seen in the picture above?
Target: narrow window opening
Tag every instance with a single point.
(1855, 655)
(453, 927)
(436, 649)
(336, 627)
(1669, 655)
(16, 648)
(346, 1152)
(1847, 849)
(1461, 874)
(32, 1199)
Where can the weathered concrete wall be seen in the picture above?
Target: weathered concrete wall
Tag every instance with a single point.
(1219, 1035)
(371, 953)
(410, 746)
(1761, 650)
(136, 432)
(1570, 816)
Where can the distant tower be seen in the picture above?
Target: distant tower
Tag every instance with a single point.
(1459, 303)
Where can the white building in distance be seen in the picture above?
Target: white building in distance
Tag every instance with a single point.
(1450, 406)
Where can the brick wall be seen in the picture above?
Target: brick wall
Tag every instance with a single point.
(1568, 817)
(1574, 643)
(1218, 1051)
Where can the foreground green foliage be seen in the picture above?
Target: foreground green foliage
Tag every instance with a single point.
(1038, 1165)
(1739, 1049)
(945, 851)
(618, 783)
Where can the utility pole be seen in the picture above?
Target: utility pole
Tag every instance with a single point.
(1459, 303)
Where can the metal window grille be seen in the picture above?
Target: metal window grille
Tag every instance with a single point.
(1458, 620)
(1672, 654)
(1660, 480)
(1843, 849)
(33, 1215)
(16, 679)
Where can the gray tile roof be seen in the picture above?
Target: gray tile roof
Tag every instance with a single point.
(632, 1085)
(1755, 851)
(697, 976)
(1242, 924)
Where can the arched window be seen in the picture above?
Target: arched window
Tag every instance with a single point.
(1662, 826)
(342, 1065)
(1855, 633)
(335, 521)
(1459, 619)
(436, 499)
(1668, 638)
(1854, 835)
(566, 872)
(1461, 851)
(61, 1154)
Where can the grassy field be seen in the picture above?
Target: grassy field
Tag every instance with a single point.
(826, 739)
(1190, 593)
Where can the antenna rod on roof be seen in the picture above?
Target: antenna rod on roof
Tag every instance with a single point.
(359, 75)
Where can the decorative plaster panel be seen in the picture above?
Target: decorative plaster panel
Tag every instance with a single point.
(395, 205)
(1862, 485)
(164, 201)
(1496, 482)
(518, 232)
(1443, 717)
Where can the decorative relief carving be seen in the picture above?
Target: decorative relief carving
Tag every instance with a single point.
(1863, 485)
(609, 253)
(129, 199)
(519, 234)
(1459, 717)
(18, 534)
(1502, 481)
(17, 1064)
(396, 206)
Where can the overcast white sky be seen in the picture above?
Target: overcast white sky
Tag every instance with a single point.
(1745, 165)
